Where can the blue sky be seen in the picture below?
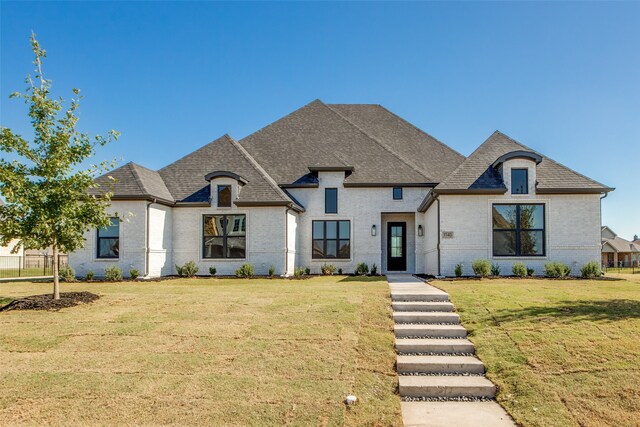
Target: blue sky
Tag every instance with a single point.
(563, 78)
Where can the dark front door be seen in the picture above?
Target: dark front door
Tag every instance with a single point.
(396, 246)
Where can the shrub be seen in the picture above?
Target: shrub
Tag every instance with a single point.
(89, 275)
(67, 273)
(362, 269)
(590, 270)
(307, 271)
(113, 273)
(556, 269)
(374, 269)
(298, 272)
(272, 270)
(245, 271)
(189, 269)
(495, 270)
(212, 271)
(328, 269)
(481, 267)
(339, 271)
(458, 269)
(530, 271)
(519, 269)
(134, 273)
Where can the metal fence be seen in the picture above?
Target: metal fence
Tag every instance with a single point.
(621, 269)
(29, 265)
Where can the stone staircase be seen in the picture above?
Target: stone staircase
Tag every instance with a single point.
(437, 366)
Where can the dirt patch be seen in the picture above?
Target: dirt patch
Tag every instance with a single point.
(46, 302)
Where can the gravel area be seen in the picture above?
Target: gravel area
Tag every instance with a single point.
(447, 399)
(431, 353)
(419, 337)
(439, 374)
(428, 324)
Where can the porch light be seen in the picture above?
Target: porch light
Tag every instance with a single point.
(420, 230)
(373, 230)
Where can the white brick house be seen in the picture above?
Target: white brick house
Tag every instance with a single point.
(343, 184)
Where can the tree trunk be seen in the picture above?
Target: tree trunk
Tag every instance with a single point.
(56, 281)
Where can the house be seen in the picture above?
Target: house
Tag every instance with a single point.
(344, 184)
(618, 252)
(10, 250)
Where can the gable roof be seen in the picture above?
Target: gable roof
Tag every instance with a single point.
(477, 174)
(318, 135)
(185, 178)
(133, 181)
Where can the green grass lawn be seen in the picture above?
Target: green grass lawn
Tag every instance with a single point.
(202, 351)
(563, 352)
(24, 272)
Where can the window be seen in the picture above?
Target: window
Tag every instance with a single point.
(224, 236)
(224, 196)
(331, 239)
(330, 200)
(108, 244)
(397, 193)
(519, 181)
(518, 230)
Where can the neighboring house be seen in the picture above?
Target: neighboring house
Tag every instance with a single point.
(10, 249)
(618, 252)
(344, 184)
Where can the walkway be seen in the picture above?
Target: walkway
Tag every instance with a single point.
(442, 382)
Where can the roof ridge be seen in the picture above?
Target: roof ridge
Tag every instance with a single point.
(384, 146)
(134, 172)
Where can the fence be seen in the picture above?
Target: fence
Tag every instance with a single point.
(29, 265)
(621, 269)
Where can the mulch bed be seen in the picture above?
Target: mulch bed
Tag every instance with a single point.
(46, 301)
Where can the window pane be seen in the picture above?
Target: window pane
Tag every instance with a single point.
(213, 247)
(318, 229)
(236, 225)
(397, 193)
(345, 229)
(504, 216)
(519, 181)
(332, 229)
(224, 196)
(504, 243)
(318, 249)
(531, 216)
(396, 246)
(332, 249)
(531, 242)
(345, 249)
(236, 247)
(108, 248)
(110, 231)
(331, 200)
(213, 225)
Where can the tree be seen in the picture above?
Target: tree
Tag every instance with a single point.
(48, 200)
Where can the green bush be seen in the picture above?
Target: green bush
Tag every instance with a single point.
(374, 269)
(133, 273)
(212, 271)
(362, 269)
(519, 269)
(339, 271)
(298, 272)
(89, 275)
(481, 267)
(328, 269)
(67, 273)
(530, 271)
(590, 270)
(245, 271)
(495, 270)
(189, 269)
(556, 269)
(458, 269)
(113, 273)
(272, 270)
(307, 271)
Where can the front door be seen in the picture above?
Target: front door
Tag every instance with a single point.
(396, 246)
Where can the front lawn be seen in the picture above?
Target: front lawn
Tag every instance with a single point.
(202, 351)
(564, 353)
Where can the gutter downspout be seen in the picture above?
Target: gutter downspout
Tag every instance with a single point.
(286, 241)
(439, 273)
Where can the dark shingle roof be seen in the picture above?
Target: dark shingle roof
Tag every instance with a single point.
(133, 180)
(316, 135)
(477, 174)
(185, 178)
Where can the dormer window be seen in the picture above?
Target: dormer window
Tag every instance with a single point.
(224, 196)
(331, 200)
(519, 181)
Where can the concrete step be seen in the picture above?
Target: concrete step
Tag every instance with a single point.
(446, 331)
(430, 345)
(446, 386)
(425, 317)
(440, 364)
(419, 296)
(440, 306)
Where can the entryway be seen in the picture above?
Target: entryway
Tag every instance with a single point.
(398, 242)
